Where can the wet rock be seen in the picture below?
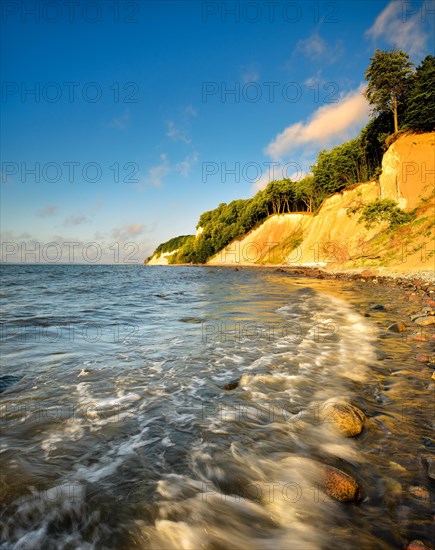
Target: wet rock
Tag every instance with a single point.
(347, 418)
(422, 358)
(8, 380)
(428, 442)
(340, 486)
(417, 545)
(378, 307)
(419, 338)
(232, 385)
(425, 321)
(419, 492)
(392, 491)
(430, 465)
(397, 327)
(417, 316)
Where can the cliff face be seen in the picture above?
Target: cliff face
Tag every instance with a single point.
(408, 169)
(334, 239)
(162, 259)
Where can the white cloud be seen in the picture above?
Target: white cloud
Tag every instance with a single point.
(313, 47)
(186, 164)
(291, 170)
(180, 131)
(128, 230)
(249, 73)
(121, 122)
(47, 211)
(316, 48)
(157, 173)
(190, 111)
(401, 25)
(177, 134)
(330, 123)
(75, 220)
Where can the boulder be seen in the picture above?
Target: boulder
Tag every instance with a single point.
(340, 486)
(347, 418)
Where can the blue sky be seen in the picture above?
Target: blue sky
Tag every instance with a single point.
(145, 114)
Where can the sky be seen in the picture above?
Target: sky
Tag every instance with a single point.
(123, 121)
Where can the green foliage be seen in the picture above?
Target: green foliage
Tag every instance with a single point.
(355, 161)
(171, 245)
(420, 105)
(389, 77)
(392, 87)
(383, 210)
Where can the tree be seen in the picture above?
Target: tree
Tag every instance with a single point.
(389, 76)
(420, 113)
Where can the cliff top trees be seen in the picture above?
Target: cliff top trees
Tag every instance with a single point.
(420, 111)
(389, 76)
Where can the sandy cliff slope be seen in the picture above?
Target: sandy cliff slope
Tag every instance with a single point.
(334, 239)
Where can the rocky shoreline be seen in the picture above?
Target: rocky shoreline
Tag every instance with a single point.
(419, 297)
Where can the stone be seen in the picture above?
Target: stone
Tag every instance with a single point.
(347, 418)
(419, 338)
(417, 316)
(378, 307)
(8, 380)
(425, 321)
(417, 545)
(397, 327)
(340, 486)
(419, 492)
(422, 358)
(430, 465)
(231, 385)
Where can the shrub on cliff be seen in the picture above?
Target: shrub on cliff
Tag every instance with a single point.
(383, 210)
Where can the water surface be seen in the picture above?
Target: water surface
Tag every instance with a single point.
(117, 432)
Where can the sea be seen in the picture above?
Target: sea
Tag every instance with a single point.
(163, 407)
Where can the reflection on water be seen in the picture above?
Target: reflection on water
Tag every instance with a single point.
(117, 432)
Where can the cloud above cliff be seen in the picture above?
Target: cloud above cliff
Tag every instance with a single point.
(402, 25)
(128, 231)
(46, 211)
(332, 123)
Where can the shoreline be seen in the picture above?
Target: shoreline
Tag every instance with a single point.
(417, 280)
